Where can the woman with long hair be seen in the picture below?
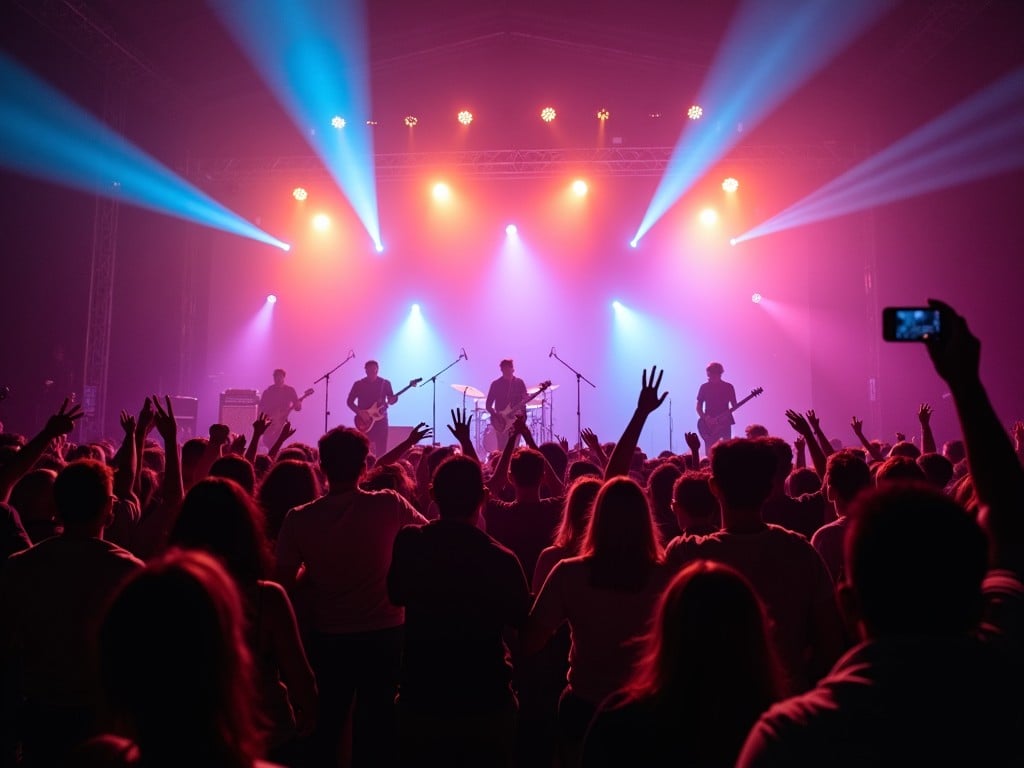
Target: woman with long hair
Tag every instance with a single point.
(220, 518)
(708, 671)
(176, 672)
(571, 530)
(607, 595)
(288, 483)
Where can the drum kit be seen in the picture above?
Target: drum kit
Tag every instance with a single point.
(538, 415)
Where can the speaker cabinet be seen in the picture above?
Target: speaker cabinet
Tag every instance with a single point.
(238, 410)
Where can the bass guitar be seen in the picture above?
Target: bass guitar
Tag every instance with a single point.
(502, 420)
(366, 418)
(706, 423)
(278, 419)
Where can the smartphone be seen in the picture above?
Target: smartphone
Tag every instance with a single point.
(910, 323)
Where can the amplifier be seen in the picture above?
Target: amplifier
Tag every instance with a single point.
(238, 409)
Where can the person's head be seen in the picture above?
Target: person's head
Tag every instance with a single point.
(709, 655)
(236, 468)
(392, 477)
(458, 489)
(343, 453)
(846, 475)
(579, 501)
(802, 480)
(279, 374)
(582, 468)
(219, 517)
(288, 484)
(899, 469)
(742, 474)
(33, 496)
(693, 502)
(905, 448)
(954, 450)
(937, 469)
(756, 430)
(556, 456)
(192, 451)
(526, 468)
(507, 368)
(371, 368)
(660, 483)
(174, 665)
(715, 371)
(622, 540)
(83, 493)
(783, 460)
(915, 561)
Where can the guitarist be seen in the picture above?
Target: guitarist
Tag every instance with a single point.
(715, 398)
(505, 390)
(278, 401)
(368, 392)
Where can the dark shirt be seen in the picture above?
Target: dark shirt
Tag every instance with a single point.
(277, 400)
(460, 589)
(804, 515)
(717, 396)
(365, 393)
(527, 528)
(503, 393)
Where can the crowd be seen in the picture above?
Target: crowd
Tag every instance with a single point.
(205, 604)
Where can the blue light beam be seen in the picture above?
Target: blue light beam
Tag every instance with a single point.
(313, 55)
(770, 50)
(45, 135)
(981, 137)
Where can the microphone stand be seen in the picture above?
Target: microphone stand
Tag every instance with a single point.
(433, 382)
(579, 377)
(326, 379)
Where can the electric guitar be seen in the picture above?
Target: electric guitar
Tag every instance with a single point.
(366, 418)
(502, 420)
(706, 423)
(278, 419)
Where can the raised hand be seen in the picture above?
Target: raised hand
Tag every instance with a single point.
(146, 415)
(164, 420)
(127, 423)
(219, 434)
(649, 399)
(924, 414)
(261, 425)
(238, 445)
(519, 425)
(563, 441)
(955, 351)
(63, 421)
(287, 430)
(590, 439)
(460, 426)
(900, 437)
(692, 441)
(858, 426)
(420, 432)
(799, 423)
(800, 444)
(813, 420)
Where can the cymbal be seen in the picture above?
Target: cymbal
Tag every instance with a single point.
(535, 390)
(468, 390)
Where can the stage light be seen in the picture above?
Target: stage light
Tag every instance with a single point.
(321, 222)
(371, 122)
(617, 305)
(411, 120)
(379, 247)
(271, 299)
(465, 117)
(633, 243)
(415, 309)
(511, 230)
(603, 114)
(338, 122)
(579, 188)
(300, 193)
(709, 217)
(733, 241)
(694, 112)
(730, 184)
(654, 115)
(548, 114)
(756, 298)
(285, 247)
(442, 192)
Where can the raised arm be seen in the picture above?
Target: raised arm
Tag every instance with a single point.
(287, 430)
(924, 415)
(858, 430)
(259, 428)
(460, 429)
(420, 432)
(499, 479)
(172, 490)
(800, 449)
(693, 443)
(61, 423)
(594, 446)
(799, 423)
(127, 461)
(648, 402)
(819, 434)
(998, 475)
(551, 478)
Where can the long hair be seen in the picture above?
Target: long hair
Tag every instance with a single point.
(621, 542)
(175, 668)
(289, 483)
(219, 517)
(709, 668)
(579, 502)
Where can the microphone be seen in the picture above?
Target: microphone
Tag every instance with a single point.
(552, 352)
(351, 354)
(464, 356)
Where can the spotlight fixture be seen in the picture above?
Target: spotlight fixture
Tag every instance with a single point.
(709, 217)
(511, 230)
(548, 114)
(654, 115)
(338, 122)
(442, 192)
(321, 222)
(603, 114)
(410, 121)
(694, 112)
(579, 188)
(371, 122)
(730, 184)
(300, 193)
(465, 117)
(756, 298)
(271, 299)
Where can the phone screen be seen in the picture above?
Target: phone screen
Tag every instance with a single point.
(910, 323)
